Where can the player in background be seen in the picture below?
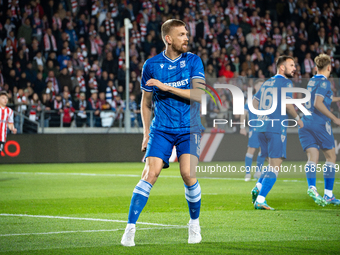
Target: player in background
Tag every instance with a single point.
(317, 132)
(6, 119)
(171, 80)
(253, 141)
(272, 135)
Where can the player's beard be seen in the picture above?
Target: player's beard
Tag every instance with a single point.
(289, 75)
(179, 48)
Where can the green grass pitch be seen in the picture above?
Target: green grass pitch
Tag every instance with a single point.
(82, 209)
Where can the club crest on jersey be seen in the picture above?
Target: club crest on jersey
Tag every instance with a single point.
(162, 65)
(171, 67)
(182, 63)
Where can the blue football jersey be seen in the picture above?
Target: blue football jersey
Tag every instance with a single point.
(265, 98)
(318, 85)
(174, 114)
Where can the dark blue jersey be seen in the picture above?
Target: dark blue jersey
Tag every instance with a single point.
(265, 98)
(318, 85)
(174, 114)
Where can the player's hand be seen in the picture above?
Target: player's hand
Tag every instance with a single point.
(14, 131)
(145, 143)
(337, 121)
(300, 123)
(243, 131)
(158, 84)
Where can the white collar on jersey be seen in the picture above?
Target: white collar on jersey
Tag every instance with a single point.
(321, 75)
(280, 75)
(173, 61)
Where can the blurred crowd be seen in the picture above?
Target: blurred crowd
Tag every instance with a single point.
(65, 59)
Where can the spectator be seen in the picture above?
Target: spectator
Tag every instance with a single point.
(25, 32)
(94, 107)
(65, 79)
(81, 106)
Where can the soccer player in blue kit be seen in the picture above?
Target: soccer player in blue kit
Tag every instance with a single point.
(317, 133)
(253, 141)
(171, 80)
(272, 135)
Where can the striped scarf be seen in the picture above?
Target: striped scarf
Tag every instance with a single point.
(55, 87)
(81, 82)
(74, 4)
(57, 22)
(93, 82)
(109, 27)
(9, 51)
(114, 11)
(120, 62)
(143, 30)
(135, 37)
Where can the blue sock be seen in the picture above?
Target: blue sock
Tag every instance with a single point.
(265, 169)
(138, 201)
(249, 162)
(310, 170)
(267, 183)
(259, 162)
(193, 197)
(329, 175)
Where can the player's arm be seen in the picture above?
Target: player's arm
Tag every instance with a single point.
(194, 94)
(335, 99)
(12, 128)
(291, 110)
(256, 103)
(146, 111)
(243, 118)
(320, 106)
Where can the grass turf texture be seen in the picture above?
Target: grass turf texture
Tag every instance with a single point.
(230, 225)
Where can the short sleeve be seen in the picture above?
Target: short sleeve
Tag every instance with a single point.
(323, 88)
(258, 95)
(10, 117)
(146, 75)
(197, 69)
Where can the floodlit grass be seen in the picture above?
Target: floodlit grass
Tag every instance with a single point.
(88, 204)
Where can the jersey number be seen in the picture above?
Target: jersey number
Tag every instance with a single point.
(266, 98)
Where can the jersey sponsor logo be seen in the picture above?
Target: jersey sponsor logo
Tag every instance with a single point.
(162, 65)
(182, 63)
(323, 85)
(171, 67)
(178, 83)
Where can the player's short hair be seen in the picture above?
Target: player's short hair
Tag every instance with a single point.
(3, 93)
(282, 59)
(322, 61)
(169, 24)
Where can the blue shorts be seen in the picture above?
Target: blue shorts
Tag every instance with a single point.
(316, 135)
(253, 140)
(273, 145)
(160, 145)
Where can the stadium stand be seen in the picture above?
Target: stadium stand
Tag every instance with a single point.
(66, 57)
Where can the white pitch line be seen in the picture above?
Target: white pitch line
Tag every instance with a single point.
(85, 174)
(88, 219)
(134, 175)
(85, 231)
